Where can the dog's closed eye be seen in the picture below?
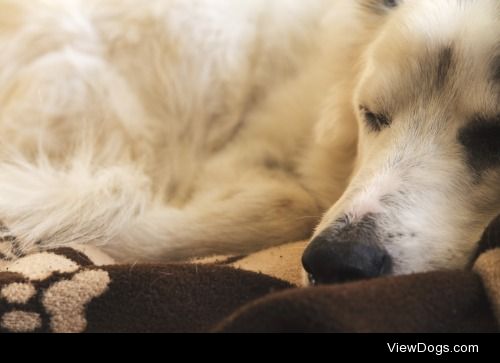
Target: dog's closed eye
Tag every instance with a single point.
(375, 121)
(379, 6)
(391, 3)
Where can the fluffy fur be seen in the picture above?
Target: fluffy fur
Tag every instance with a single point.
(169, 129)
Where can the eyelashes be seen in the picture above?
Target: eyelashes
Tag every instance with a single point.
(376, 122)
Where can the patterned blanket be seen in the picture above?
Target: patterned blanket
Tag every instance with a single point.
(80, 289)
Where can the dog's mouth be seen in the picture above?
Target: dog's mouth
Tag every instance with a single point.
(333, 281)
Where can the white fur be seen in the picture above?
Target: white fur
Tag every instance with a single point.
(170, 129)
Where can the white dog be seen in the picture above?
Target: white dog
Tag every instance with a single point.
(170, 129)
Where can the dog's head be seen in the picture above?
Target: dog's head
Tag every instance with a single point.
(427, 178)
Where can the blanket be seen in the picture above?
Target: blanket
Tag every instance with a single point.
(80, 289)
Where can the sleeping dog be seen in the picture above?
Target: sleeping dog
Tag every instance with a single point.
(164, 130)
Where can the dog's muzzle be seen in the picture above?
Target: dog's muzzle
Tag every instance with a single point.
(337, 257)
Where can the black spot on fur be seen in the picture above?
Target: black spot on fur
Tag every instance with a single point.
(444, 66)
(481, 140)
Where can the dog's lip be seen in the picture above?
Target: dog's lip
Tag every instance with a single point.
(315, 283)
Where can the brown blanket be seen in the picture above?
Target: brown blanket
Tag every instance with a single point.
(80, 290)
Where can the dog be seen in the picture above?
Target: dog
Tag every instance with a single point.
(164, 130)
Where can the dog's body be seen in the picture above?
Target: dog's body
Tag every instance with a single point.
(173, 129)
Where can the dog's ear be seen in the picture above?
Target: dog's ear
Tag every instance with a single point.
(490, 239)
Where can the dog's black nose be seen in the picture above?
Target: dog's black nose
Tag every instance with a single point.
(328, 260)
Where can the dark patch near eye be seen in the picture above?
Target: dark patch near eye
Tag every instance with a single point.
(444, 65)
(481, 139)
(376, 122)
